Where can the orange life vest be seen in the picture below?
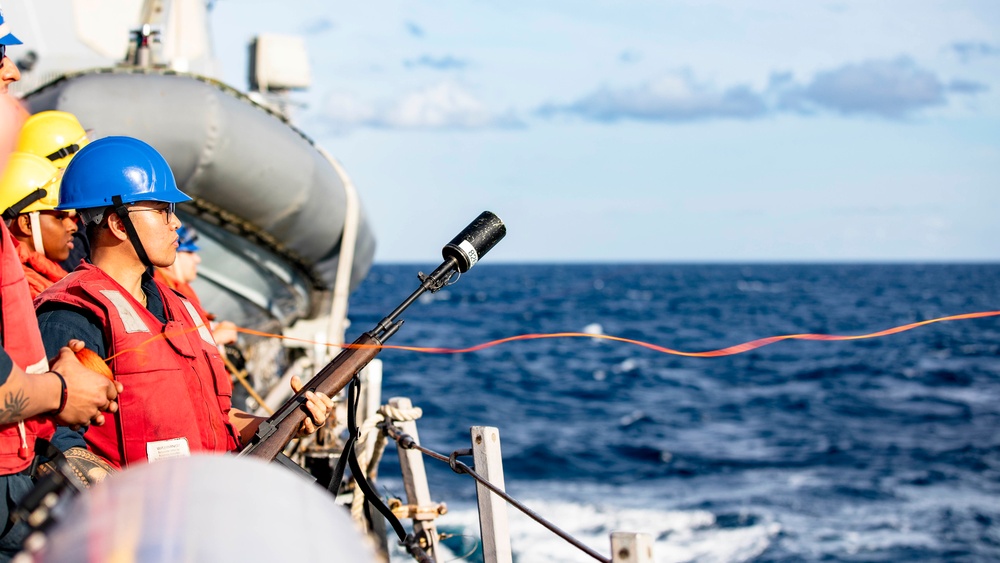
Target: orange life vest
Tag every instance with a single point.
(177, 393)
(23, 343)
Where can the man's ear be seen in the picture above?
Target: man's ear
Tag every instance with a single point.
(116, 226)
(23, 224)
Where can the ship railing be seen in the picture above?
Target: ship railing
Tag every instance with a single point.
(397, 421)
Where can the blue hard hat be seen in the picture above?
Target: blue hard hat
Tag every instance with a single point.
(117, 166)
(6, 37)
(186, 238)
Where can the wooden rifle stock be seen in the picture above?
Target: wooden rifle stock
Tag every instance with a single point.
(274, 434)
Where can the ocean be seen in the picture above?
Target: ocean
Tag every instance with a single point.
(885, 449)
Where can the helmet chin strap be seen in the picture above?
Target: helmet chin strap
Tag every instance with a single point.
(36, 231)
(133, 236)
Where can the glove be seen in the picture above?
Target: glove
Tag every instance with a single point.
(88, 467)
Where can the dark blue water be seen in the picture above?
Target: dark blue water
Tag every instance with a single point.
(874, 450)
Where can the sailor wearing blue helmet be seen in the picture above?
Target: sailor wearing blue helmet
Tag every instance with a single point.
(117, 174)
(9, 72)
(186, 239)
(179, 400)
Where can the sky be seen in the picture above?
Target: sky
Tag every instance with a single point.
(667, 131)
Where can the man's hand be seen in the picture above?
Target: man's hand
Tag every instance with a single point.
(88, 392)
(224, 333)
(319, 406)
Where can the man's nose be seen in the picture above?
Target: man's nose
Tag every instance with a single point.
(9, 73)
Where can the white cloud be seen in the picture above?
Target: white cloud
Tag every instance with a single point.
(973, 50)
(884, 88)
(673, 97)
(890, 89)
(446, 62)
(443, 106)
(318, 26)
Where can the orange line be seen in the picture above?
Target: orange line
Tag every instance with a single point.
(729, 351)
(139, 349)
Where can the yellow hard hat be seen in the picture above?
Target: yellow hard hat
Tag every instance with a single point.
(28, 183)
(55, 135)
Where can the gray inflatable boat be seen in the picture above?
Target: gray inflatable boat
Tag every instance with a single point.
(272, 204)
(283, 235)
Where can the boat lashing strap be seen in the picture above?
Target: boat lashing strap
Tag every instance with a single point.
(408, 540)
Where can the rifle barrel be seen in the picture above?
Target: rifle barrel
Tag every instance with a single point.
(459, 255)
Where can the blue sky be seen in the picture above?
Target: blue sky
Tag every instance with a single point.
(656, 131)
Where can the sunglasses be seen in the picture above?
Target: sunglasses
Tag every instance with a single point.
(3, 52)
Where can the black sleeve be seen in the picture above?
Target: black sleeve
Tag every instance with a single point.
(60, 325)
(6, 365)
(66, 438)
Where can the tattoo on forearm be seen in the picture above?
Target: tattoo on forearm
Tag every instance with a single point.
(14, 405)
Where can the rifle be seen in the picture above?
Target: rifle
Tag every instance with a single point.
(460, 255)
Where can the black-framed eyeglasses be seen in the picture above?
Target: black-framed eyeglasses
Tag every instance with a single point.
(3, 54)
(167, 211)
